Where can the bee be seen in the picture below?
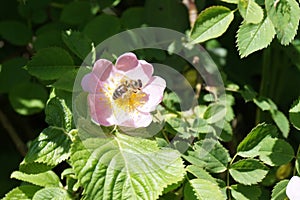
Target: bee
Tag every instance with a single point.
(131, 85)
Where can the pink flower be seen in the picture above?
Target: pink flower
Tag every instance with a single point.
(293, 188)
(123, 94)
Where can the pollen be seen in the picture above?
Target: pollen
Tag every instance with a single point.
(131, 101)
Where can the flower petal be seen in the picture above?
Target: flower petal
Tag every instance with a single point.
(126, 61)
(293, 187)
(154, 90)
(137, 120)
(101, 109)
(89, 82)
(102, 69)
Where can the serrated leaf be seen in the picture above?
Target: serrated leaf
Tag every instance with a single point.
(59, 114)
(297, 164)
(45, 179)
(23, 192)
(201, 173)
(80, 45)
(248, 171)
(231, 1)
(275, 152)
(214, 113)
(278, 192)
(210, 155)
(51, 193)
(294, 114)
(211, 23)
(248, 93)
(281, 121)
(287, 31)
(15, 32)
(51, 147)
(205, 189)
(124, 167)
(250, 11)
(28, 98)
(243, 192)
(253, 37)
(279, 12)
(50, 63)
(251, 143)
(66, 82)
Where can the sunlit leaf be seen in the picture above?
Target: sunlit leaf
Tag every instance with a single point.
(250, 11)
(281, 121)
(23, 192)
(294, 114)
(205, 189)
(243, 192)
(278, 192)
(253, 37)
(45, 179)
(211, 23)
(50, 193)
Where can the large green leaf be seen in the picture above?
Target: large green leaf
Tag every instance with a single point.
(124, 167)
(275, 152)
(205, 189)
(50, 63)
(253, 37)
(210, 155)
(250, 11)
(200, 173)
(80, 45)
(248, 171)
(23, 192)
(15, 32)
(211, 23)
(51, 147)
(45, 179)
(294, 114)
(28, 98)
(251, 143)
(52, 193)
(278, 193)
(70, 12)
(243, 192)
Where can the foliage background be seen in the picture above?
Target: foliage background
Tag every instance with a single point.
(29, 26)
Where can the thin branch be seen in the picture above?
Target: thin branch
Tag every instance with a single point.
(21, 147)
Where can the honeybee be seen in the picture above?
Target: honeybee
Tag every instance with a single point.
(131, 85)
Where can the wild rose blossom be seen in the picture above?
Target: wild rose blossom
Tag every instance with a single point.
(123, 94)
(293, 188)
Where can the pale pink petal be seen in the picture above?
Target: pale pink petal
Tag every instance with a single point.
(293, 188)
(137, 120)
(143, 71)
(154, 90)
(126, 62)
(101, 109)
(102, 69)
(89, 82)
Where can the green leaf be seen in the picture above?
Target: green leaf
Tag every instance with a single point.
(15, 32)
(264, 103)
(188, 192)
(278, 193)
(297, 164)
(243, 192)
(210, 155)
(51, 193)
(58, 114)
(70, 12)
(281, 121)
(214, 113)
(45, 179)
(133, 17)
(200, 173)
(205, 189)
(285, 15)
(275, 152)
(94, 29)
(251, 143)
(248, 171)
(50, 63)
(51, 147)
(248, 93)
(294, 114)
(124, 167)
(79, 44)
(28, 98)
(23, 192)
(66, 82)
(12, 68)
(231, 1)
(253, 37)
(250, 11)
(51, 38)
(211, 23)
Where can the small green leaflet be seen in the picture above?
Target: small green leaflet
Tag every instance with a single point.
(248, 171)
(211, 23)
(205, 189)
(250, 11)
(124, 167)
(23, 192)
(51, 193)
(243, 192)
(294, 114)
(278, 192)
(253, 37)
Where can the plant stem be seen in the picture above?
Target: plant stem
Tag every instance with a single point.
(21, 147)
